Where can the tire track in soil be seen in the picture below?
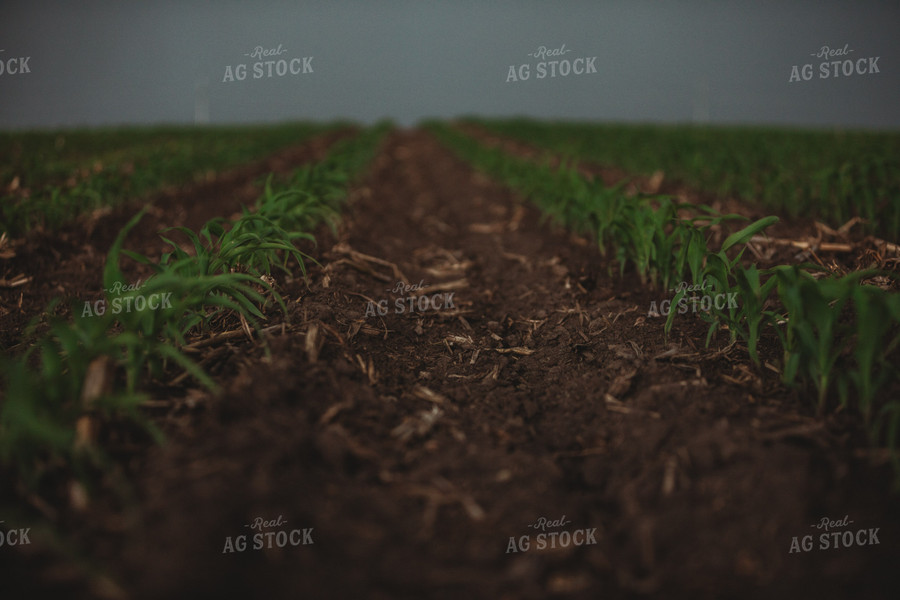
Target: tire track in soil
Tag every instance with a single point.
(695, 484)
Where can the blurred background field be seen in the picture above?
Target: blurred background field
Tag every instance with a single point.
(829, 175)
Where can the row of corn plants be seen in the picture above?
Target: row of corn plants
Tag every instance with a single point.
(47, 178)
(644, 231)
(832, 175)
(839, 336)
(48, 388)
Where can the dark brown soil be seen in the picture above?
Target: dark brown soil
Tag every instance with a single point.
(419, 446)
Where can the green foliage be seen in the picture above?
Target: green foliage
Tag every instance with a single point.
(222, 274)
(832, 175)
(727, 276)
(646, 232)
(838, 336)
(876, 337)
(813, 308)
(67, 173)
(838, 333)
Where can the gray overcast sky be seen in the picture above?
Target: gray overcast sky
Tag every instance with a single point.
(111, 62)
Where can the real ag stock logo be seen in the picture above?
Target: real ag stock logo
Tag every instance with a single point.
(558, 66)
(705, 302)
(128, 302)
(418, 302)
(277, 536)
(14, 537)
(274, 67)
(843, 66)
(832, 540)
(15, 65)
(551, 539)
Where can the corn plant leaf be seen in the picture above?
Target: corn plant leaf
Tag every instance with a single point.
(111, 272)
(747, 232)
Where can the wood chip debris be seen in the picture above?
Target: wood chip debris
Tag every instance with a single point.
(429, 395)
(97, 381)
(493, 374)
(487, 227)
(441, 287)
(668, 484)
(515, 350)
(358, 260)
(368, 368)
(464, 341)
(333, 411)
(312, 348)
(618, 406)
(622, 383)
(15, 281)
(420, 424)
(449, 270)
(78, 496)
(227, 336)
(6, 250)
(803, 245)
(441, 492)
